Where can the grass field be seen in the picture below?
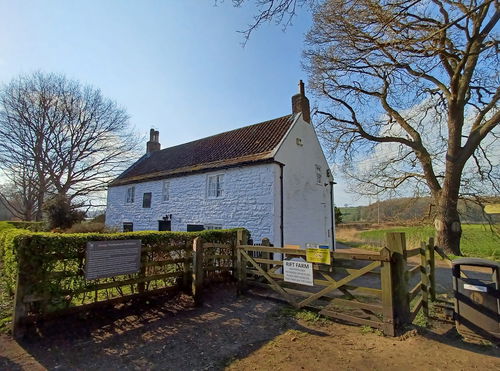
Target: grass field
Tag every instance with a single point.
(477, 240)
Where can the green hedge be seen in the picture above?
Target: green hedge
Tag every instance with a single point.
(32, 226)
(43, 252)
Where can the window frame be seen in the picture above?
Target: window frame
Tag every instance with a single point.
(130, 195)
(219, 187)
(144, 204)
(126, 229)
(165, 191)
(319, 174)
(212, 226)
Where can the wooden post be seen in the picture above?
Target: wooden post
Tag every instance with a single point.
(432, 270)
(266, 255)
(197, 284)
(141, 286)
(396, 243)
(187, 270)
(387, 294)
(241, 239)
(424, 278)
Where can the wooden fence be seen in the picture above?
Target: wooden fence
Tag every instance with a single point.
(165, 268)
(364, 288)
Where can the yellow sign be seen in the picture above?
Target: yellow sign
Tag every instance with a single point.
(492, 209)
(296, 247)
(321, 256)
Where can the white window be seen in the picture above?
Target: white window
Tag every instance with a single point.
(318, 175)
(130, 195)
(213, 226)
(215, 186)
(166, 190)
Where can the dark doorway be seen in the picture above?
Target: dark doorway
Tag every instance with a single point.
(164, 225)
(195, 227)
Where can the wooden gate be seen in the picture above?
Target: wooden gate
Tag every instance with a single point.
(363, 288)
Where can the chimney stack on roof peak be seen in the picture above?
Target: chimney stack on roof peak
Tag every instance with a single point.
(300, 103)
(153, 144)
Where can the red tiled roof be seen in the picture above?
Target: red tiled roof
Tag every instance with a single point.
(249, 144)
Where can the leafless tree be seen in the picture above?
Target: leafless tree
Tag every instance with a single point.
(411, 92)
(59, 137)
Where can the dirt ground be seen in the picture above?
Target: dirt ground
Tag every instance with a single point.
(237, 333)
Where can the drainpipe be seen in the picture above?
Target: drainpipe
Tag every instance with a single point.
(282, 207)
(332, 213)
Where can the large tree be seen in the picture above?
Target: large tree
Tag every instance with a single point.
(414, 87)
(58, 138)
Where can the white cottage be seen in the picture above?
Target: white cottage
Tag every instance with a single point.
(271, 178)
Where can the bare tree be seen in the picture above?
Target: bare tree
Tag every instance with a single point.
(60, 138)
(413, 84)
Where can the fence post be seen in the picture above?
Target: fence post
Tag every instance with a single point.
(266, 255)
(197, 284)
(241, 239)
(396, 243)
(187, 270)
(387, 294)
(432, 269)
(424, 278)
(141, 286)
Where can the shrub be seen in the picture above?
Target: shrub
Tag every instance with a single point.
(61, 213)
(87, 227)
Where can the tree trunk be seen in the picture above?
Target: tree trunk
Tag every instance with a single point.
(448, 226)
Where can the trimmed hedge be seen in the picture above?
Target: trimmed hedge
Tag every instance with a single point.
(31, 226)
(43, 253)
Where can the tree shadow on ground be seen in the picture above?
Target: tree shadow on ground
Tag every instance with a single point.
(162, 334)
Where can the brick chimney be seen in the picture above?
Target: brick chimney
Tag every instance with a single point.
(154, 141)
(300, 103)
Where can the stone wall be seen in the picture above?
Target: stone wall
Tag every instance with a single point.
(248, 202)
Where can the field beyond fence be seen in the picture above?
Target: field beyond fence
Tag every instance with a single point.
(478, 240)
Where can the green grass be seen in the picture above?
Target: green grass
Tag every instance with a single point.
(477, 240)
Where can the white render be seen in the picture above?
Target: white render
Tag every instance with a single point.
(307, 204)
(251, 199)
(247, 202)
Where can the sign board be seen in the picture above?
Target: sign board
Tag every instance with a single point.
(298, 272)
(292, 247)
(492, 209)
(318, 255)
(112, 258)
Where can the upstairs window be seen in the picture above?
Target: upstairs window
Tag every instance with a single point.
(319, 177)
(215, 186)
(146, 200)
(165, 195)
(130, 195)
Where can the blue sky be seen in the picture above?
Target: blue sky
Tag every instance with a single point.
(177, 66)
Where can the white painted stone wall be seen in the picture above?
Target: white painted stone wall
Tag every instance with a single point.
(248, 202)
(307, 204)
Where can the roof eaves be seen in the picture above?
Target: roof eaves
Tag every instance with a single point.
(241, 161)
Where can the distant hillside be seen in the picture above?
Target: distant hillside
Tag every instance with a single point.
(409, 209)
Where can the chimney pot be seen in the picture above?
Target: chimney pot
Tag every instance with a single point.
(300, 103)
(153, 144)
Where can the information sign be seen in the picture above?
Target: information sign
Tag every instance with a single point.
(298, 272)
(319, 255)
(112, 258)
